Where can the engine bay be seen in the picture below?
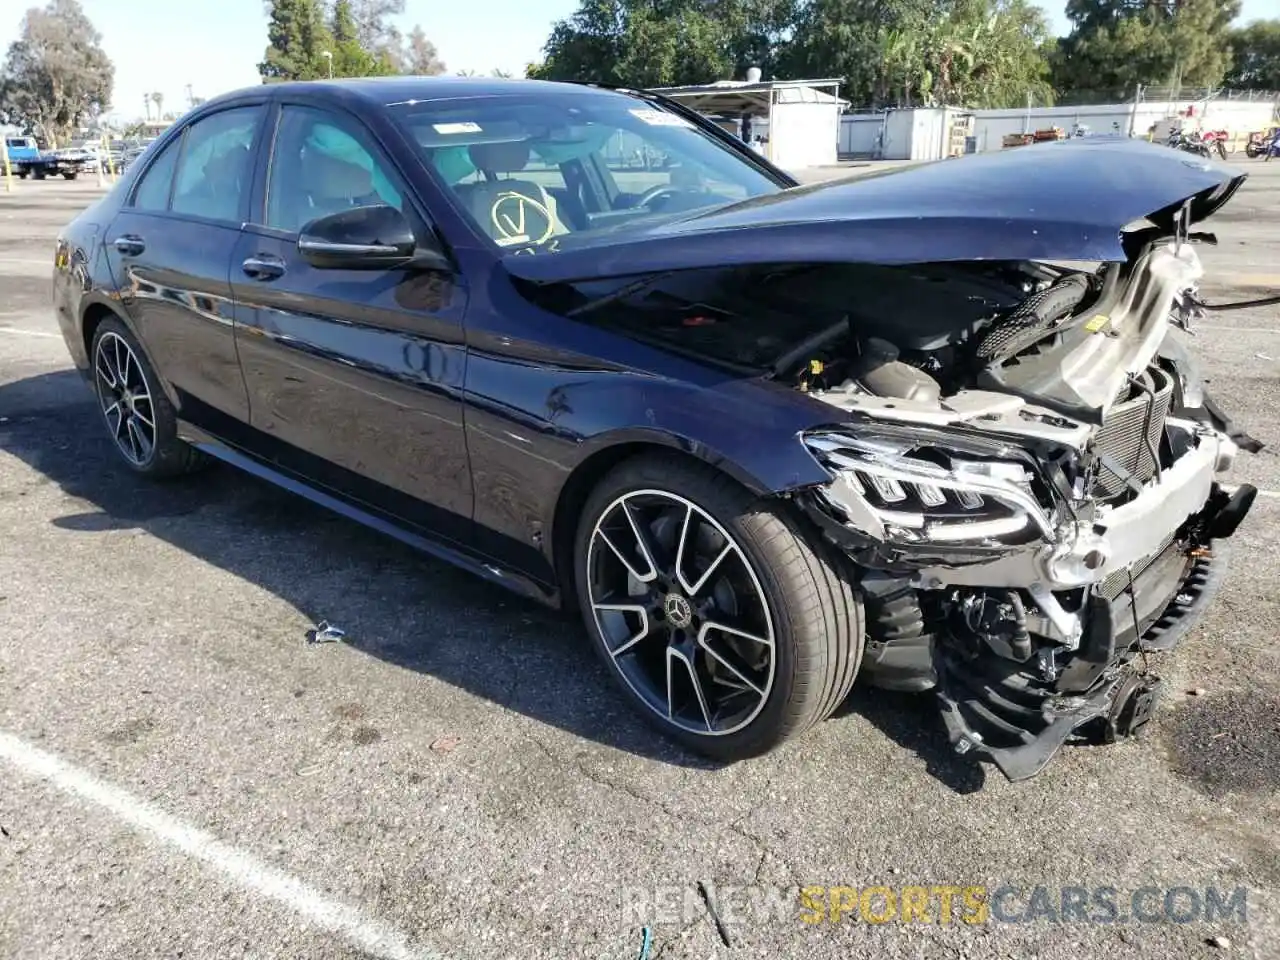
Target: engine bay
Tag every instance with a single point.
(913, 332)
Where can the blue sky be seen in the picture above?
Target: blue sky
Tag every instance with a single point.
(215, 45)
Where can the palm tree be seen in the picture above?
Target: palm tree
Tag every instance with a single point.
(158, 99)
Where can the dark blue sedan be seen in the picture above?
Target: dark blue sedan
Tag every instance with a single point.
(937, 428)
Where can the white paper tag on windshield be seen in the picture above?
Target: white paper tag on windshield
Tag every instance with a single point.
(657, 118)
(463, 127)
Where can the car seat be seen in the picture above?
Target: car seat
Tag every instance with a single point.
(327, 185)
(509, 210)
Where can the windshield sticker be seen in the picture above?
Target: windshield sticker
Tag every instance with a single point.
(462, 127)
(657, 118)
(510, 216)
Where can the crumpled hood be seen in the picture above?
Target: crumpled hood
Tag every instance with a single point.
(1055, 201)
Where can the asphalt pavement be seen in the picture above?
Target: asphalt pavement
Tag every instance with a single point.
(182, 774)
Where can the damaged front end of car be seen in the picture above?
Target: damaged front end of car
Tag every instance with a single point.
(1020, 458)
(1026, 543)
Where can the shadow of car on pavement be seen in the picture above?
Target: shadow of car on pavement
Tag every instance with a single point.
(394, 603)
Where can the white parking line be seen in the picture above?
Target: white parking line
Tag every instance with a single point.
(240, 868)
(19, 332)
(1269, 494)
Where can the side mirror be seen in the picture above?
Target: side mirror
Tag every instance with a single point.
(373, 237)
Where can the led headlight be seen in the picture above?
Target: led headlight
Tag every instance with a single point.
(908, 492)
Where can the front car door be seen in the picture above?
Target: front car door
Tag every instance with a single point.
(355, 377)
(170, 249)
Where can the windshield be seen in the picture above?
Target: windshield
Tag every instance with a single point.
(538, 174)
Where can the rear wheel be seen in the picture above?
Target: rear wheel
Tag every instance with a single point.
(725, 624)
(138, 416)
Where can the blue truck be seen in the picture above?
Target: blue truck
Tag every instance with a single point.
(26, 159)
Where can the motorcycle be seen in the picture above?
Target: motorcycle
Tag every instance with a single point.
(1217, 142)
(1259, 142)
(1190, 142)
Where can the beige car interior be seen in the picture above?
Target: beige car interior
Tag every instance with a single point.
(508, 209)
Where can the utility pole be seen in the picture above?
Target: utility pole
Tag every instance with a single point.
(1133, 114)
(191, 100)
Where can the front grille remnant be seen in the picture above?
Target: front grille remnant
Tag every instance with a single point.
(1120, 439)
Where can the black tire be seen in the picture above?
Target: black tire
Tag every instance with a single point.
(69, 176)
(22, 174)
(168, 455)
(1032, 319)
(816, 613)
(40, 174)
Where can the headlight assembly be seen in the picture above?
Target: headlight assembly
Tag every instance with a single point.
(908, 492)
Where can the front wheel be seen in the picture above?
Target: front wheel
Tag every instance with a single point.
(730, 628)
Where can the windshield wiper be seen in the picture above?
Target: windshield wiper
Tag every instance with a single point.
(624, 291)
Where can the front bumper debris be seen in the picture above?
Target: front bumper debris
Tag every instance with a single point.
(1005, 712)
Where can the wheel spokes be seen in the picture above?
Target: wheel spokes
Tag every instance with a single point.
(680, 612)
(143, 398)
(625, 608)
(708, 626)
(726, 662)
(642, 543)
(138, 440)
(645, 577)
(121, 372)
(103, 366)
(126, 407)
(676, 655)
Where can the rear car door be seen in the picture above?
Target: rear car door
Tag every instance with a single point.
(355, 377)
(170, 250)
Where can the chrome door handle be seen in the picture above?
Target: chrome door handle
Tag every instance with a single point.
(129, 245)
(263, 267)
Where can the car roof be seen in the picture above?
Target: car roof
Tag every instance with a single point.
(384, 91)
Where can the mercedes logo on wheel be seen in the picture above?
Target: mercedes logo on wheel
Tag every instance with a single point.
(677, 611)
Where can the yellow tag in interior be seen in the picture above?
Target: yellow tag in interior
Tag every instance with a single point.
(815, 367)
(1097, 323)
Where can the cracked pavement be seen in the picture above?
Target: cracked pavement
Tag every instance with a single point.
(460, 768)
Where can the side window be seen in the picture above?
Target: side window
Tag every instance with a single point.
(216, 165)
(153, 189)
(323, 163)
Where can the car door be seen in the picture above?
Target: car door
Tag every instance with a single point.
(170, 249)
(355, 377)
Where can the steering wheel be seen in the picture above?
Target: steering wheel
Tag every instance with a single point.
(656, 191)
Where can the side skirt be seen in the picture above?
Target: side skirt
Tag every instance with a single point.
(478, 565)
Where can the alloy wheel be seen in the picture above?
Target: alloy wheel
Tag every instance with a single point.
(125, 398)
(681, 612)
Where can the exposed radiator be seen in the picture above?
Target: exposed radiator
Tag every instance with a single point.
(1121, 437)
(1115, 584)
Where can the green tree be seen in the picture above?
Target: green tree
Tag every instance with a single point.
(297, 38)
(980, 53)
(1114, 45)
(350, 57)
(420, 57)
(55, 76)
(1255, 53)
(376, 29)
(639, 42)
